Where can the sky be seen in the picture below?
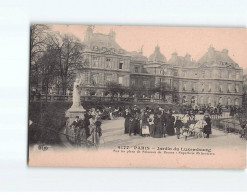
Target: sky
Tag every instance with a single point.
(192, 40)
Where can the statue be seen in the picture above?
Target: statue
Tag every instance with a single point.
(76, 108)
(76, 94)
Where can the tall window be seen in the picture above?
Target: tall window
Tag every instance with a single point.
(108, 79)
(202, 86)
(145, 84)
(108, 62)
(133, 82)
(95, 80)
(136, 69)
(229, 74)
(193, 87)
(184, 87)
(237, 88)
(220, 88)
(237, 75)
(202, 100)
(120, 80)
(121, 64)
(229, 88)
(209, 87)
(95, 61)
(203, 74)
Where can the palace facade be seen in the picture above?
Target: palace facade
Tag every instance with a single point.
(214, 79)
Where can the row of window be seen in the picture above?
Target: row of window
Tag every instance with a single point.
(211, 100)
(211, 74)
(95, 80)
(96, 48)
(108, 63)
(208, 88)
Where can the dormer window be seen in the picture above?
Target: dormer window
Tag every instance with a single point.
(95, 48)
(103, 49)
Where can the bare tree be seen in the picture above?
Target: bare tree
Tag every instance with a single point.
(47, 68)
(69, 57)
(38, 43)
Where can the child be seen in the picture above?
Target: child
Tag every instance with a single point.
(178, 125)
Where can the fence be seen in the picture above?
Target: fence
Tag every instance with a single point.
(69, 98)
(228, 124)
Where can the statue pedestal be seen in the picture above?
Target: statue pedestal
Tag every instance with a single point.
(73, 112)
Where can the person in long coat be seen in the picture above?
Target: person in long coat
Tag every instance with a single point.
(207, 128)
(164, 122)
(127, 116)
(158, 126)
(87, 118)
(170, 125)
(132, 124)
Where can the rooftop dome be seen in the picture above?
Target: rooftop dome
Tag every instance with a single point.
(157, 56)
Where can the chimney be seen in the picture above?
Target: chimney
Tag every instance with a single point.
(211, 48)
(225, 51)
(174, 54)
(188, 57)
(89, 33)
(112, 34)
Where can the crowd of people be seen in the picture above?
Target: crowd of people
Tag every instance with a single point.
(87, 128)
(159, 123)
(147, 122)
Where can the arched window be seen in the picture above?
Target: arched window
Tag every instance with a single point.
(201, 100)
(236, 102)
(184, 100)
(210, 101)
(220, 100)
(228, 101)
(175, 98)
(193, 100)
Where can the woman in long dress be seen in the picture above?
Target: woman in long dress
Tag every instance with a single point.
(127, 117)
(95, 128)
(158, 126)
(144, 124)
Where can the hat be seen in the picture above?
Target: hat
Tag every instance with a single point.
(77, 117)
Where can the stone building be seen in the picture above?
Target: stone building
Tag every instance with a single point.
(106, 62)
(214, 79)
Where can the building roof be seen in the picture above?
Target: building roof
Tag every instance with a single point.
(216, 58)
(157, 56)
(245, 71)
(100, 41)
(183, 61)
(137, 56)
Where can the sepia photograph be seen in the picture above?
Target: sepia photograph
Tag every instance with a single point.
(137, 96)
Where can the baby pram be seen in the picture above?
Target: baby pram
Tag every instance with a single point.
(188, 129)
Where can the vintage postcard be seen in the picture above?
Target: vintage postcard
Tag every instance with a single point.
(137, 96)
